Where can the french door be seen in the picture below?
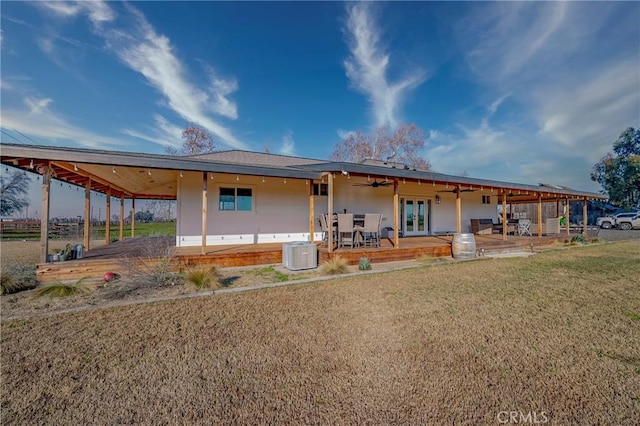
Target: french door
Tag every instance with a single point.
(415, 216)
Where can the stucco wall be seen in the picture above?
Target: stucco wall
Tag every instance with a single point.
(281, 210)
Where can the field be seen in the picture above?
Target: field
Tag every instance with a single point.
(554, 337)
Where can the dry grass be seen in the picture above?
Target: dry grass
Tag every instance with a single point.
(456, 343)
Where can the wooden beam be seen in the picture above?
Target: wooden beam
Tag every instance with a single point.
(87, 215)
(396, 214)
(505, 222)
(330, 213)
(312, 212)
(107, 230)
(121, 237)
(539, 215)
(585, 229)
(69, 167)
(44, 221)
(557, 207)
(133, 218)
(458, 210)
(205, 205)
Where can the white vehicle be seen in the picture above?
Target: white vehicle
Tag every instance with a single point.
(626, 223)
(611, 221)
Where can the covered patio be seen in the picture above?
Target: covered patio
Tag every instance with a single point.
(238, 207)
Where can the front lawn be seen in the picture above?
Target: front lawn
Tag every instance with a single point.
(555, 336)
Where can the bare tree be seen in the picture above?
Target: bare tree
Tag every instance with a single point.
(401, 146)
(195, 140)
(13, 192)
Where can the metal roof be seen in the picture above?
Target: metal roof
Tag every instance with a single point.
(99, 165)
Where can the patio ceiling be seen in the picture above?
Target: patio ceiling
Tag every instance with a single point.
(136, 175)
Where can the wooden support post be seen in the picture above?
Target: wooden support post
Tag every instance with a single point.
(567, 216)
(330, 213)
(585, 229)
(396, 214)
(107, 222)
(505, 222)
(121, 237)
(133, 217)
(205, 205)
(557, 207)
(458, 210)
(44, 221)
(312, 213)
(87, 215)
(539, 214)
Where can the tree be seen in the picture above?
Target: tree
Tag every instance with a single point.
(619, 173)
(195, 140)
(401, 146)
(13, 190)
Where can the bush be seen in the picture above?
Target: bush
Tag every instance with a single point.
(579, 239)
(59, 289)
(336, 266)
(15, 277)
(364, 264)
(153, 266)
(203, 277)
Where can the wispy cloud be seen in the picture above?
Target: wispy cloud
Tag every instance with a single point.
(140, 47)
(287, 145)
(162, 133)
(571, 87)
(368, 65)
(39, 120)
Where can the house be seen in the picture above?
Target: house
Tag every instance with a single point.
(246, 198)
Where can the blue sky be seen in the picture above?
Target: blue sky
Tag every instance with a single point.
(518, 91)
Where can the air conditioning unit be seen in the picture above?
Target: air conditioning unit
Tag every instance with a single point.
(298, 255)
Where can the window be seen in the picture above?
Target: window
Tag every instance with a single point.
(321, 189)
(486, 199)
(240, 199)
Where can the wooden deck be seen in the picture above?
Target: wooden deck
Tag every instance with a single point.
(115, 257)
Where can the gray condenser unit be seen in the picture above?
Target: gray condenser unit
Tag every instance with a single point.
(299, 255)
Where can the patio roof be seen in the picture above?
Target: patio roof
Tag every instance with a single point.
(143, 175)
(130, 174)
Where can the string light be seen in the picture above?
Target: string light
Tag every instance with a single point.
(418, 182)
(262, 179)
(403, 181)
(75, 167)
(180, 173)
(31, 164)
(149, 171)
(285, 180)
(237, 178)
(113, 169)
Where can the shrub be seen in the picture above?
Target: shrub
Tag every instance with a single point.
(152, 267)
(59, 289)
(579, 239)
(335, 266)
(15, 277)
(203, 277)
(364, 264)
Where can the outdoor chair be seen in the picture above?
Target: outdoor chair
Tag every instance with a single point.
(324, 225)
(524, 227)
(371, 230)
(346, 231)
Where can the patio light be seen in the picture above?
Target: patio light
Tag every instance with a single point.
(438, 199)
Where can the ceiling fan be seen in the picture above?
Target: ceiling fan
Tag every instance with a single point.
(374, 184)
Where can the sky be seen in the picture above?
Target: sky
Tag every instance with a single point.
(524, 92)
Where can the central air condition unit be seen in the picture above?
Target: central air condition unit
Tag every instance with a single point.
(298, 255)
